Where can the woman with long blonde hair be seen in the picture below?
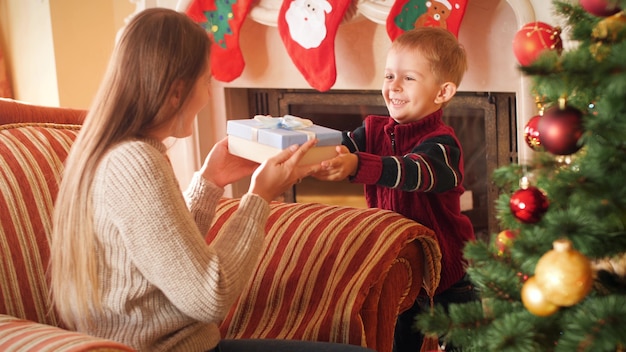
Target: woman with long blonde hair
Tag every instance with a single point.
(129, 261)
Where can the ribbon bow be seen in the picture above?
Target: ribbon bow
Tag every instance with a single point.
(287, 122)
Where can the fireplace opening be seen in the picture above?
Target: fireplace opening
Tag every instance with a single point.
(484, 122)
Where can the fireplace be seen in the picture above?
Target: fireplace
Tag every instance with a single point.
(485, 124)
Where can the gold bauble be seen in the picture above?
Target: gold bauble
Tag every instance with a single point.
(608, 29)
(535, 300)
(564, 274)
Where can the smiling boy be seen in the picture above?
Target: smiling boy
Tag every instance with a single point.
(411, 162)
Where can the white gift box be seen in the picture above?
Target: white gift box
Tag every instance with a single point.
(260, 138)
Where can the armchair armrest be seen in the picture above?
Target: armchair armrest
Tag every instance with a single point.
(15, 111)
(25, 335)
(332, 273)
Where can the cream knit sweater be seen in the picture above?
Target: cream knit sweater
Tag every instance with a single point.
(163, 287)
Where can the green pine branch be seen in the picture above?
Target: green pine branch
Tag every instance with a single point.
(587, 195)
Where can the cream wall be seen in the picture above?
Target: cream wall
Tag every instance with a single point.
(57, 50)
(84, 33)
(29, 51)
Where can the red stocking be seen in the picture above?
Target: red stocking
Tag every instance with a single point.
(409, 14)
(308, 29)
(222, 19)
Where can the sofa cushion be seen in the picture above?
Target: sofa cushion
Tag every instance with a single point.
(314, 286)
(31, 159)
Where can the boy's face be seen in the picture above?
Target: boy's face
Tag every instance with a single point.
(410, 89)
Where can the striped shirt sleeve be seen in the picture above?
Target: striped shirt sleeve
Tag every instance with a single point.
(354, 140)
(432, 166)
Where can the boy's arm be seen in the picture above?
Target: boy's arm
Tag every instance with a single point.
(346, 162)
(432, 166)
(355, 140)
(338, 168)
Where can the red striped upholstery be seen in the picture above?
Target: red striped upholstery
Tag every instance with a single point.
(24, 335)
(31, 157)
(14, 111)
(333, 274)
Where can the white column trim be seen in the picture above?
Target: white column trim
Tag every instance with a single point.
(524, 11)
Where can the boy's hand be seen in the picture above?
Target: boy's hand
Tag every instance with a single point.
(339, 167)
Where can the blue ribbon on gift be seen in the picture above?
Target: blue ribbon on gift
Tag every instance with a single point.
(287, 122)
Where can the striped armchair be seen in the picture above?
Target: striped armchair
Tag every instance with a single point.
(327, 273)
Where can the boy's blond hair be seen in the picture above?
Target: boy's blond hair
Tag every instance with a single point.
(447, 57)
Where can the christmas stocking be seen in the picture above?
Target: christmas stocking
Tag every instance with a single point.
(409, 14)
(222, 19)
(308, 29)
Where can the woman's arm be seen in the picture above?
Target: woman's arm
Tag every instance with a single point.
(140, 201)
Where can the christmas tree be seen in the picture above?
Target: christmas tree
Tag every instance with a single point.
(554, 278)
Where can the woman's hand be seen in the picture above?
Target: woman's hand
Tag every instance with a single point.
(277, 174)
(223, 168)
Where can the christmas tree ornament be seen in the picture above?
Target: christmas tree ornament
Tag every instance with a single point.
(522, 276)
(308, 29)
(605, 34)
(528, 204)
(534, 299)
(600, 8)
(563, 274)
(610, 29)
(560, 129)
(531, 133)
(533, 39)
(564, 160)
(504, 241)
(408, 14)
(222, 19)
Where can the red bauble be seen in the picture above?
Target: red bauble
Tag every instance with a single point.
(533, 39)
(528, 205)
(560, 130)
(531, 133)
(600, 8)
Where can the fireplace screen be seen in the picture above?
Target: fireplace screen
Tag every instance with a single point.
(484, 123)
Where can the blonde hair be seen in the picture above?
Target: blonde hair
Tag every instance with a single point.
(447, 57)
(159, 50)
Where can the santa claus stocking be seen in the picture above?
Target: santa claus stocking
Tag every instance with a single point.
(308, 29)
(222, 19)
(409, 14)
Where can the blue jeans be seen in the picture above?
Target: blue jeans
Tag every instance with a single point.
(275, 345)
(407, 337)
